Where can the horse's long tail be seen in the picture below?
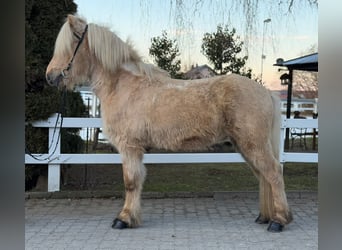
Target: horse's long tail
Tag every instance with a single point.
(276, 125)
(266, 198)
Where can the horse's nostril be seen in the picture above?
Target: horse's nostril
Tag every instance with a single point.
(53, 78)
(48, 79)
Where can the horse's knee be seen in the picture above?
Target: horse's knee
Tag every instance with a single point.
(133, 179)
(130, 186)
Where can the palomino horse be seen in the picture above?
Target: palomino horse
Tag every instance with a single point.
(142, 107)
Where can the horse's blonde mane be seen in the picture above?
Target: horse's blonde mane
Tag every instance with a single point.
(63, 41)
(109, 49)
(112, 52)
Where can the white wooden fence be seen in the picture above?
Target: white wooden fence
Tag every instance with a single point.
(54, 158)
(300, 105)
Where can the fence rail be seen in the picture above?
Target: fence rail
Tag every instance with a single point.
(54, 158)
(301, 105)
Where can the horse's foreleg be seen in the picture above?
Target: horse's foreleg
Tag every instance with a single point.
(134, 175)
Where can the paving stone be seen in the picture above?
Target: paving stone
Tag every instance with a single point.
(222, 222)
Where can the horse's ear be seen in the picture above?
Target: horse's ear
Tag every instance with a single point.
(71, 20)
(75, 23)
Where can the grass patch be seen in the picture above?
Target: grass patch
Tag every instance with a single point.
(190, 177)
(301, 176)
(223, 177)
(199, 177)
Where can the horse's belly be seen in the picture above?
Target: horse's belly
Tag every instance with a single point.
(187, 135)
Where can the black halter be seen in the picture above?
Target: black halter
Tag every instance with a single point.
(65, 70)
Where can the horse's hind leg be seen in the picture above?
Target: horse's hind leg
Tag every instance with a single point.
(260, 157)
(134, 175)
(265, 199)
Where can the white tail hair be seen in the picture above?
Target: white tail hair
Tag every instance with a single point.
(266, 197)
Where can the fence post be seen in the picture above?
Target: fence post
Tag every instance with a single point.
(54, 170)
(281, 141)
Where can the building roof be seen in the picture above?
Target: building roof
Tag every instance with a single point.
(198, 72)
(306, 63)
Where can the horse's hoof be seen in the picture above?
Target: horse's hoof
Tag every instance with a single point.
(275, 227)
(119, 224)
(261, 220)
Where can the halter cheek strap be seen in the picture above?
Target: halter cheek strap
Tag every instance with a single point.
(65, 70)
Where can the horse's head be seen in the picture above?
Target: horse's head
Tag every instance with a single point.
(70, 63)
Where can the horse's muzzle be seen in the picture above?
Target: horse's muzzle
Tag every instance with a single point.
(54, 79)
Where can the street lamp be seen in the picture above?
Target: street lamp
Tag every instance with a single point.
(263, 45)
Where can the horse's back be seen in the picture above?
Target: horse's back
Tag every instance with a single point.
(241, 97)
(196, 113)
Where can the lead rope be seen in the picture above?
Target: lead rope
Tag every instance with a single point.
(39, 157)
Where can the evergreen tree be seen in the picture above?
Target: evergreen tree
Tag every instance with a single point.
(165, 51)
(222, 48)
(43, 20)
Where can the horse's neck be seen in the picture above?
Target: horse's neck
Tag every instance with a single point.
(128, 75)
(104, 84)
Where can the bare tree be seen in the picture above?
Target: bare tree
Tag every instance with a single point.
(182, 12)
(306, 82)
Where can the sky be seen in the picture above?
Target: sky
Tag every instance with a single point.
(287, 35)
